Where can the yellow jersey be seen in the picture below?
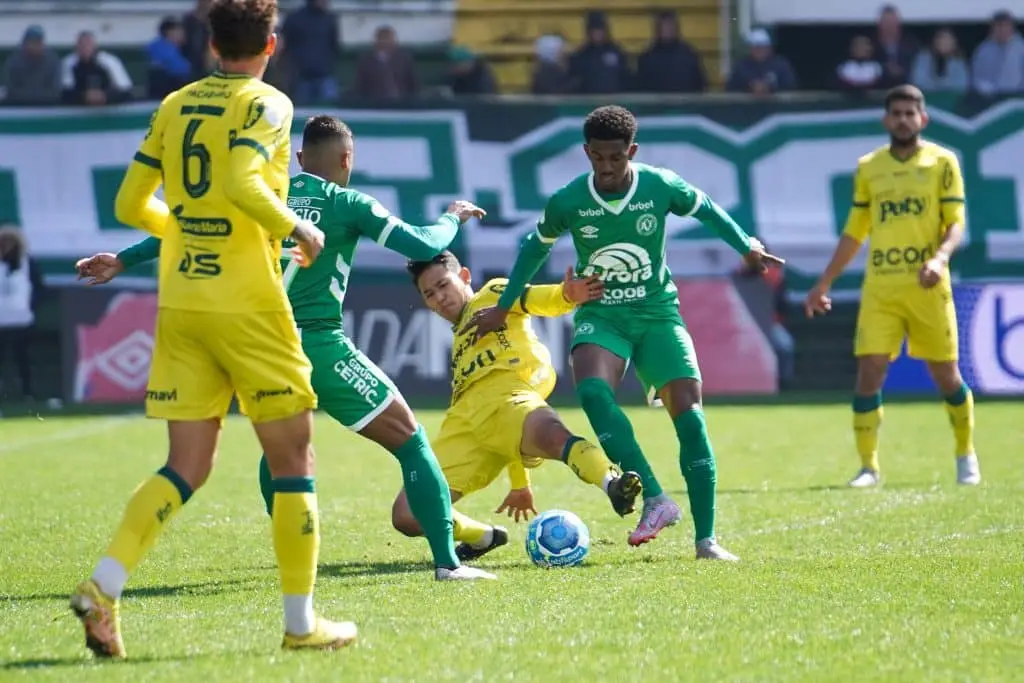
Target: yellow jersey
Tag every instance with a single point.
(513, 348)
(220, 146)
(903, 209)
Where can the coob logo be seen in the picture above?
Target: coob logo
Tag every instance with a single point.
(908, 206)
(995, 337)
(647, 224)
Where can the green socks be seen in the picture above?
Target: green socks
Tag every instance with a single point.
(427, 491)
(615, 432)
(430, 500)
(697, 462)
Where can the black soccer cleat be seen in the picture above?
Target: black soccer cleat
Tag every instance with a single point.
(467, 553)
(623, 492)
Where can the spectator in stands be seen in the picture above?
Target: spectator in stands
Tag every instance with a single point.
(895, 49)
(943, 67)
(778, 336)
(998, 67)
(551, 68)
(92, 76)
(469, 74)
(314, 48)
(21, 283)
(386, 71)
(761, 72)
(600, 66)
(861, 72)
(169, 69)
(670, 64)
(32, 73)
(197, 39)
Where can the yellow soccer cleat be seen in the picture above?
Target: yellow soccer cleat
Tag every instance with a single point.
(100, 615)
(326, 635)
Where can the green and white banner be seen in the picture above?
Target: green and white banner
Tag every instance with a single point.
(784, 173)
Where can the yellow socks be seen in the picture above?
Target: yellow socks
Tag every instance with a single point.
(467, 529)
(296, 529)
(152, 505)
(960, 406)
(867, 419)
(588, 462)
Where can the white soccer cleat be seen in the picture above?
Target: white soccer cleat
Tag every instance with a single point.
(865, 479)
(708, 549)
(462, 573)
(968, 472)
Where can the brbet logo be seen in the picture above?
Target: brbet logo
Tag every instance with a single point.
(994, 327)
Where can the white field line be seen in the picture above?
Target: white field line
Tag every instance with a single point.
(97, 426)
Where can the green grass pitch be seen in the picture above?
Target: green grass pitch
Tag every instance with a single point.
(917, 581)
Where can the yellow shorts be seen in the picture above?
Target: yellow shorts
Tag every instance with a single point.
(202, 358)
(483, 432)
(925, 318)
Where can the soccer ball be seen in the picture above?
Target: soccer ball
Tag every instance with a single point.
(557, 538)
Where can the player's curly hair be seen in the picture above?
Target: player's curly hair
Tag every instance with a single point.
(610, 122)
(905, 93)
(323, 128)
(446, 258)
(240, 29)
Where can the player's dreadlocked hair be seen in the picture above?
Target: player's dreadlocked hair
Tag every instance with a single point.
(323, 128)
(905, 93)
(610, 122)
(240, 29)
(445, 258)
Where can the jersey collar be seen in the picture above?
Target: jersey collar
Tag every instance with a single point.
(623, 203)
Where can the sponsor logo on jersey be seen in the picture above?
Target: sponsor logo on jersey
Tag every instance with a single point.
(588, 231)
(641, 206)
(647, 223)
(897, 256)
(585, 328)
(299, 201)
(908, 206)
(590, 213)
(620, 263)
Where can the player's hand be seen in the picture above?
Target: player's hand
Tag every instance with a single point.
(518, 502)
(931, 272)
(758, 260)
(99, 269)
(579, 290)
(309, 241)
(486, 320)
(466, 210)
(818, 301)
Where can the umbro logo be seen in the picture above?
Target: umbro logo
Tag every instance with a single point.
(588, 231)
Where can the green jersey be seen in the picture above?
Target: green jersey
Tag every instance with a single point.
(621, 238)
(344, 215)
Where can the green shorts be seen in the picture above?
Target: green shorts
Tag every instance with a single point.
(349, 386)
(656, 341)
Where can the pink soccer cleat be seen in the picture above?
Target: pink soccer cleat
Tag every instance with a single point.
(658, 513)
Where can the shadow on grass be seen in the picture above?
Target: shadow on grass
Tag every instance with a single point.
(36, 663)
(181, 590)
(362, 568)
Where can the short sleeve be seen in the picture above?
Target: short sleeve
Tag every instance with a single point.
(684, 198)
(264, 125)
(552, 223)
(858, 223)
(150, 151)
(951, 192)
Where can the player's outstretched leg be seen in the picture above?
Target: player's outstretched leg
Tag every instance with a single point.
(682, 398)
(867, 417)
(546, 436)
(154, 503)
(475, 539)
(959, 400)
(296, 529)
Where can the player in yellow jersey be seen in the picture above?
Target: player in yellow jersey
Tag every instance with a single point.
(908, 204)
(220, 147)
(499, 417)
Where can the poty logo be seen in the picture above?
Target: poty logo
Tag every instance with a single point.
(621, 262)
(996, 334)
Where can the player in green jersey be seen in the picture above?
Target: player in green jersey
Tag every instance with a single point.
(350, 387)
(616, 218)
